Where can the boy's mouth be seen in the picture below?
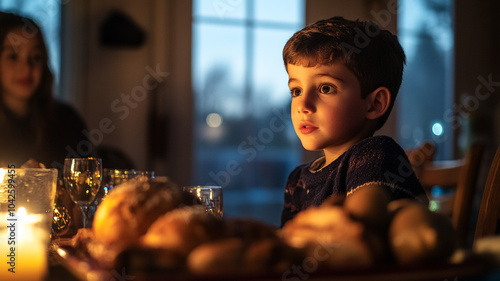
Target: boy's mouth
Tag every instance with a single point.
(307, 128)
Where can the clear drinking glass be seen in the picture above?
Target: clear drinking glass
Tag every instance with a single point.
(82, 178)
(110, 179)
(114, 177)
(210, 197)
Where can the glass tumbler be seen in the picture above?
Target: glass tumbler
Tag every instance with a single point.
(210, 197)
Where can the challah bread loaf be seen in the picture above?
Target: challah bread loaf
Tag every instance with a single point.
(131, 207)
(183, 229)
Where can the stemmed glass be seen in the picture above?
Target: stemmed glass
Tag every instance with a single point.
(82, 178)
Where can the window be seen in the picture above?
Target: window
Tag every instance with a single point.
(426, 33)
(244, 140)
(47, 14)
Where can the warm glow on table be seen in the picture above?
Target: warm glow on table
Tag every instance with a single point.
(23, 246)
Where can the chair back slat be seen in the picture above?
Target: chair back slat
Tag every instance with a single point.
(466, 187)
(489, 212)
(459, 175)
(441, 173)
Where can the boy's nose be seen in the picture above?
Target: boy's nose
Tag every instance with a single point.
(306, 103)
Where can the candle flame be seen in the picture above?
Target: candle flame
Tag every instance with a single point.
(21, 212)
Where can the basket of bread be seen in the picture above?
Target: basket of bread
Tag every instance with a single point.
(152, 228)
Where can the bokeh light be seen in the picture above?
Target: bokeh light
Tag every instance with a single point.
(214, 120)
(437, 129)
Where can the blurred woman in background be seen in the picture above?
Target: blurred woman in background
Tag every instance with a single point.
(32, 123)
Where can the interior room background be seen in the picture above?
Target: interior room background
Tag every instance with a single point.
(197, 90)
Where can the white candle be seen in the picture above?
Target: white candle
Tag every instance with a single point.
(23, 246)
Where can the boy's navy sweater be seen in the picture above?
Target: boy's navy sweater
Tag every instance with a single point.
(377, 159)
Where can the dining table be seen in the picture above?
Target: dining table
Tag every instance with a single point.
(65, 264)
(70, 263)
(57, 270)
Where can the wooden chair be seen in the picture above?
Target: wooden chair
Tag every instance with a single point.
(489, 212)
(420, 156)
(460, 176)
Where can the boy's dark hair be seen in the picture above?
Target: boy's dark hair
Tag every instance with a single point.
(373, 55)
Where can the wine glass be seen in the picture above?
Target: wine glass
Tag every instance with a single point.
(82, 178)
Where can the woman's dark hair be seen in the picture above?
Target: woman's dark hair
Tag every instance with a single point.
(41, 102)
(372, 54)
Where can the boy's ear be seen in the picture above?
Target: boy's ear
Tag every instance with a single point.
(379, 101)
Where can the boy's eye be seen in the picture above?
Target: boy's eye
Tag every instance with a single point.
(296, 92)
(326, 89)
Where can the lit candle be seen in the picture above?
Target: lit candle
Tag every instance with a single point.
(23, 246)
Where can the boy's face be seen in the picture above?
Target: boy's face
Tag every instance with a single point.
(328, 112)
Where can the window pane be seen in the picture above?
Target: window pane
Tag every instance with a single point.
(221, 9)
(269, 79)
(218, 76)
(218, 69)
(283, 11)
(244, 138)
(426, 33)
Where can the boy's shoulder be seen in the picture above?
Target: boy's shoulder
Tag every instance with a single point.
(380, 141)
(375, 147)
(376, 150)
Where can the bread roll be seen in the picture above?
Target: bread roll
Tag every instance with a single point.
(131, 207)
(418, 235)
(220, 257)
(271, 255)
(329, 233)
(326, 223)
(248, 246)
(183, 229)
(368, 204)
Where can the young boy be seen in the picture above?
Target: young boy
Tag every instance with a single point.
(344, 77)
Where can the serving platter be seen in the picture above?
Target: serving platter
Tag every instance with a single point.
(142, 265)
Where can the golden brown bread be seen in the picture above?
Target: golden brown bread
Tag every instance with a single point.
(366, 227)
(330, 230)
(130, 208)
(218, 257)
(271, 255)
(418, 235)
(236, 256)
(354, 231)
(125, 215)
(368, 204)
(248, 246)
(183, 229)
(327, 223)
